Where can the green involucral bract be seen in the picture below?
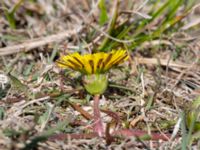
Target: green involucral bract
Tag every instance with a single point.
(95, 83)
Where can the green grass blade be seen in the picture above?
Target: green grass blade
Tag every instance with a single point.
(103, 18)
(111, 27)
(10, 15)
(183, 131)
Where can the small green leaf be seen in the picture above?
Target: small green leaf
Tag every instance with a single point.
(17, 85)
(45, 115)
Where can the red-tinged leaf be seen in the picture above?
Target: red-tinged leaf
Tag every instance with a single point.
(63, 136)
(114, 115)
(140, 133)
(116, 122)
(78, 123)
(11, 100)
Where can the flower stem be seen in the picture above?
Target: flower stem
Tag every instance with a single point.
(98, 125)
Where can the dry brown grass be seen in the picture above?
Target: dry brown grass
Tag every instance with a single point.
(147, 93)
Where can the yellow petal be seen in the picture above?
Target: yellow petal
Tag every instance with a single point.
(64, 65)
(98, 59)
(117, 57)
(87, 64)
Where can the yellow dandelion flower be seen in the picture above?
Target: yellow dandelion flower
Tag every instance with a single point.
(93, 67)
(97, 63)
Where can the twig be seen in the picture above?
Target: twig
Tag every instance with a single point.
(29, 45)
(109, 36)
(121, 87)
(163, 62)
(19, 110)
(84, 113)
(137, 13)
(182, 73)
(142, 5)
(136, 120)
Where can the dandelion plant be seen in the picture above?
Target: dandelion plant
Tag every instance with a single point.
(94, 68)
